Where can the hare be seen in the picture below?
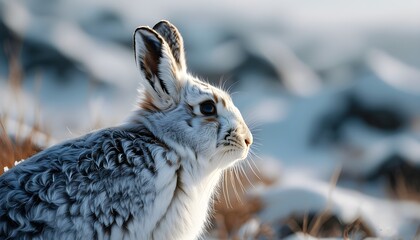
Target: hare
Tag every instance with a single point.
(152, 177)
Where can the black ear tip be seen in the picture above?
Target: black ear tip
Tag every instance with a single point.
(143, 30)
(163, 23)
(147, 33)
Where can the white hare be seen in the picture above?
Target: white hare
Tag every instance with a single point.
(150, 178)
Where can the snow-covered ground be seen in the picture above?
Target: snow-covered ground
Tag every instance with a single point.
(328, 85)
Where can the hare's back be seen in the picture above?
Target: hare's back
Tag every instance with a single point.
(80, 187)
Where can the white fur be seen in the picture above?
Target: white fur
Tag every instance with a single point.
(187, 212)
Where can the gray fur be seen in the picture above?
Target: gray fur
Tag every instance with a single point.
(81, 187)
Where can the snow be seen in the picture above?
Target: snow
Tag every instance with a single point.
(299, 194)
(5, 169)
(249, 230)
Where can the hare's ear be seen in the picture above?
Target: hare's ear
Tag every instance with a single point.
(158, 68)
(174, 39)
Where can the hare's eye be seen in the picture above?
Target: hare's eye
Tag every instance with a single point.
(207, 108)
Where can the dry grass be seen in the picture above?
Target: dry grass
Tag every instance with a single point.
(14, 149)
(19, 143)
(404, 183)
(324, 225)
(234, 208)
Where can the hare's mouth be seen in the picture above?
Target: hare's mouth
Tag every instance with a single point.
(236, 151)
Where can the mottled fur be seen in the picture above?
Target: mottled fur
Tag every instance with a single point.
(150, 178)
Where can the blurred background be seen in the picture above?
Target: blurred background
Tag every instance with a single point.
(330, 88)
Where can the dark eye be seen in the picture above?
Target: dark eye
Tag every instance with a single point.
(208, 108)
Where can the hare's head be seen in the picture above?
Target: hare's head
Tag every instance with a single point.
(181, 108)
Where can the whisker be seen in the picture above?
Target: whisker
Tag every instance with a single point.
(256, 136)
(232, 179)
(254, 123)
(214, 197)
(224, 187)
(255, 130)
(252, 120)
(255, 155)
(227, 203)
(256, 144)
(238, 178)
(255, 150)
(229, 89)
(252, 169)
(233, 93)
(221, 84)
(246, 176)
(258, 157)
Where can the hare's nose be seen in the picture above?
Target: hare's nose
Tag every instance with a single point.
(248, 139)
